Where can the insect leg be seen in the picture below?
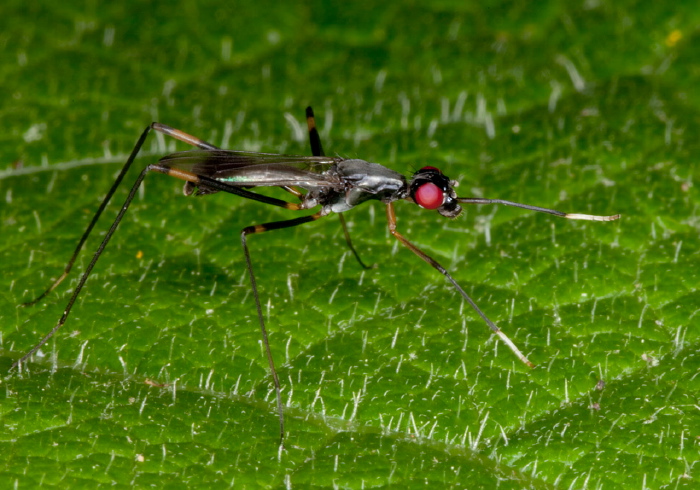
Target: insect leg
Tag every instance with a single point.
(250, 230)
(93, 261)
(294, 191)
(162, 128)
(391, 217)
(182, 136)
(198, 180)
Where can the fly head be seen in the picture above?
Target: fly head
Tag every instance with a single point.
(431, 189)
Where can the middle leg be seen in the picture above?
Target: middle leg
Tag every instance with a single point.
(251, 230)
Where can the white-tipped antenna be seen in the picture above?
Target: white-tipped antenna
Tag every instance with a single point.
(592, 217)
(589, 217)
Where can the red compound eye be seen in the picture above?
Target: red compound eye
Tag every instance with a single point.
(431, 168)
(429, 196)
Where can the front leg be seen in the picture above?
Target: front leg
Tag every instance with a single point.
(391, 216)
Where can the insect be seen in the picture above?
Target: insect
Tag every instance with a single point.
(334, 184)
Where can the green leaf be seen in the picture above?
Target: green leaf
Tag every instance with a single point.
(159, 379)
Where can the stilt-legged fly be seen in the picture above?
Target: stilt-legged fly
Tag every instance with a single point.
(332, 183)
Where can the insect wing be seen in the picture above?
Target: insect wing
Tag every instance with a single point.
(249, 169)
